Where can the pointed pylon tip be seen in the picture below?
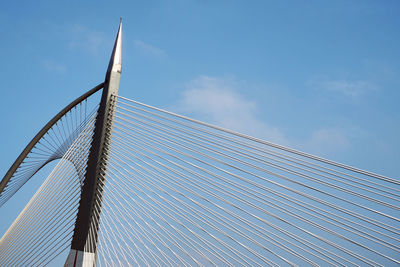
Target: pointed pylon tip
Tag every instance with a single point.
(116, 57)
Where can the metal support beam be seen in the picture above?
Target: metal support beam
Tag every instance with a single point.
(87, 222)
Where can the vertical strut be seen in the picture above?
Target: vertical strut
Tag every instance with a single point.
(83, 246)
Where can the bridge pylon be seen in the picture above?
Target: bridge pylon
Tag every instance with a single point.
(84, 241)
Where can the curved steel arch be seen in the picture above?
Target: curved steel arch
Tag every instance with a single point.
(20, 159)
(87, 140)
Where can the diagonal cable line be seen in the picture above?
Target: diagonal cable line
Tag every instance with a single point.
(175, 191)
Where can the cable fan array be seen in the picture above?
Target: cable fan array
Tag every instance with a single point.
(49, 145)
(44, 228)
(182, 192)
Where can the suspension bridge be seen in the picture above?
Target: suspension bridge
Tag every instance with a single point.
(136, 185)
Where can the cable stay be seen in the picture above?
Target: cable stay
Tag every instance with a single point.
(136, 185)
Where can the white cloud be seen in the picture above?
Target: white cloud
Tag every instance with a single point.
(351, 89)
(54, 66)
(326, 140)
(149, 49)
(217, 101)
(89, 40)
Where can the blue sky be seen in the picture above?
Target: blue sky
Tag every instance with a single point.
(319, 76)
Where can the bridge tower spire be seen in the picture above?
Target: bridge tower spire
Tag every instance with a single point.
(84, 241)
